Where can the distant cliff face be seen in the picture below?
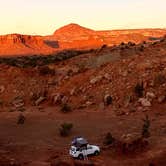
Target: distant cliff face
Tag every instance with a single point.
(20, 39)
(16, 44)
(145, 32)
(72, 36)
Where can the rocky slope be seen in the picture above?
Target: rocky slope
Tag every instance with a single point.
(132, 75)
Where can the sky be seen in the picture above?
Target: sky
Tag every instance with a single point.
(43, 17)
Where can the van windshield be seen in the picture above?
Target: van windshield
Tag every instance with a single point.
(73, 149)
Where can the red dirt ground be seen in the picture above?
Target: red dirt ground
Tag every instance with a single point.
(38, 139)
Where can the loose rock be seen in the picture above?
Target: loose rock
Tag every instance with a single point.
(144, 102)
(161, 99)
(18, 102)
(2, 89)
(57, 98)
(150, 95)
(96, 79)
(39, 100)
(107, 76)
(73, 91)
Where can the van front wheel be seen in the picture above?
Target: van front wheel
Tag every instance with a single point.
(81, 157)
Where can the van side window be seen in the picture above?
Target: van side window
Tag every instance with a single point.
(89, 147)
(78, 149)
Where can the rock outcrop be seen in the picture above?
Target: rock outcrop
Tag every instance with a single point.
(16, 44)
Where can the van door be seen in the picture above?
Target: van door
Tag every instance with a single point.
(89, 150)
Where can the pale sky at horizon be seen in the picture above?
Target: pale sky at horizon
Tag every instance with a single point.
(43, 17)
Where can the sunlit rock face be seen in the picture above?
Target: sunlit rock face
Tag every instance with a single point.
(73, 36)
(16, 44)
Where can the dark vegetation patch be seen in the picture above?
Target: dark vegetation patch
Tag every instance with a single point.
(139, 89)
(65, 108)
(40, 60)
(65, 129)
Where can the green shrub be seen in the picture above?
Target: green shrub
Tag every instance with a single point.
(108, 100)
(45, 70)
(122, 43)
(145, 128)
(65, 108)
(139, 89)
(65, 129)
(141, 48)
(108, 139)
(21, 119)
(103, 46)
(131, 43)
(1, 102)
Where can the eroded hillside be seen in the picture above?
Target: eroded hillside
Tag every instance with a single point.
(91, 75)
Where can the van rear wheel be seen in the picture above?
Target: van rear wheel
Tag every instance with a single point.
(96, 153)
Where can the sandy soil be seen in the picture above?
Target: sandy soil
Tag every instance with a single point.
(38, 140)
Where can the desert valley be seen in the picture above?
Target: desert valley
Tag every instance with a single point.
(109, 85)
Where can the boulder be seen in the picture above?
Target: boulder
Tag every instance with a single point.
(150, 95)
(89, 103)
(18, 102)
(73, 91)
(144, 102)
(39, 100)
(161, 99)
(107, 76)
(60, 99)
(64, 99)
(96, 79)
(57, 98)
(2, 89)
